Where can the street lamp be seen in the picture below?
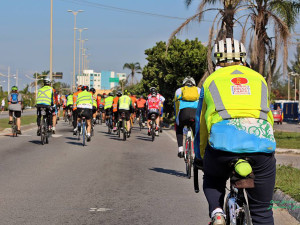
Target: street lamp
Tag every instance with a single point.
(83, 53)
(74, 47)
(80, 30)
(295, 75)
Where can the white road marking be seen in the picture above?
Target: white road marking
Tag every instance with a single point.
(170, 136)
(56, 135)
(99, 209)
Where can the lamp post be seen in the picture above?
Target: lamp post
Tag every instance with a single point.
(80, 30)
(51, 39)
(74, 46)
(82, 53)
(296, 75)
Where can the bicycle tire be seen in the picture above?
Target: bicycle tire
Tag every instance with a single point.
(247, 217)
(83, 133)
(189, 161)
(46, 131)
(42, 132)
(124, 130)
(100, 120)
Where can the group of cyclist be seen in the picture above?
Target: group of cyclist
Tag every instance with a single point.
(232, 97)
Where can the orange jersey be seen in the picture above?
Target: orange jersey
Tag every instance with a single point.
(115, 104)
(133, 99)
(141, 103)
(75, 96)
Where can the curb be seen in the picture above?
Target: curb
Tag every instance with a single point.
(288, 151)
(7, 131)
(283, 200)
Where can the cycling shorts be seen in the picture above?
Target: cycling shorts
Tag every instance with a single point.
(17, 113)
(127, 114)
(83, 112)
(152, 111)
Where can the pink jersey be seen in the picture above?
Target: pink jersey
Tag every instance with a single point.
(153, 103)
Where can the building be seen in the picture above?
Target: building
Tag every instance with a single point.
(110, 79)
(89, 78)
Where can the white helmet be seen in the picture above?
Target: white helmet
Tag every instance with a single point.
(189, 80)
(229, 51)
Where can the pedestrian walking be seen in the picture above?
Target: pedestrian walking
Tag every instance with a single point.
(2, 105)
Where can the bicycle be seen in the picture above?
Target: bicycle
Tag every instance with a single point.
(141, 119)
(236, 205)
(153, 125)
(81, 129)
(123, 126)
(14, 126)
(109, 123)
(189, 151)
(44, 127)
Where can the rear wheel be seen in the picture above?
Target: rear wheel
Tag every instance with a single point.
(42, 132)
(124, 130)
(83, 133)
(189, 159)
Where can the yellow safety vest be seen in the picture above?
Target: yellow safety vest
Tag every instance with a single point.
(94, 101)
(70, 100)
(84, 98)
(236, 92)
(44, 96)
(108, 102)
(124, 102)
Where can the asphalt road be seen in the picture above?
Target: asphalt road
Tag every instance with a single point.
(107, 182)
(287, 127)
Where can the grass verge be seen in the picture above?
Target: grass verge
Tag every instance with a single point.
(25, 120)
(287, 139)
(288, 181)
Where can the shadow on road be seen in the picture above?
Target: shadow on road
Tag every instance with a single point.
(72, 138)
(74, 143)
(35, 142)
(170, 172)
(144, 138)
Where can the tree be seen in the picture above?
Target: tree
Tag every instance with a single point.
(167, 71)
(28, 97)
(134, 67)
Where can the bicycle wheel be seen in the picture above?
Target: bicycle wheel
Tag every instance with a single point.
(42, 132)
(153, 130)
(244, 217)
(189, 161)
(14, 127)
(100, 119)
(124, 130)
(46, 131)
(83, 133)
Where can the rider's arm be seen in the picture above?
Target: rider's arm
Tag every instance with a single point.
(177, 97)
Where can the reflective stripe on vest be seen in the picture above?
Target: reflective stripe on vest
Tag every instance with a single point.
(236, 92)
(124, 102)
(84, 98)
(108, 102)
(44, 97)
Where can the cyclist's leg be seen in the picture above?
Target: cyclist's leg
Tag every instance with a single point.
(260, 196)
(75, 115)
(216, 172)
(10, 113)
(18, 116)
(128, 119)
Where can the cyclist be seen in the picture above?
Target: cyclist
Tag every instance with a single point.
(69, 103)
(153, 107)
(141, 107)
(101, 103)
(186, 102)
(108, 107)
(161, 99)
(93, 91)
(115, 110)
(45, 99)
(75, 96)
(125, 105)
(63, 100)
(84, 109)
(234, 99)
(15, 100)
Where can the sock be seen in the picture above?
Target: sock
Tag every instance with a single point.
(88, 134)
(217, 210)
(180, 149)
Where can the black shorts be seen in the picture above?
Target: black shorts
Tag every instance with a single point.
(152, 111)
(187, 117)
(108, 112)
(17, 113)
(101, 108)
(94, 109)
(83, 112)
(127, 114)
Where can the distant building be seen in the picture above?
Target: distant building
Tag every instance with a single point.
(106, 80)
(89, 78)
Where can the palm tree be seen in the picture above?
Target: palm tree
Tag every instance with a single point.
(134, 67)
(264, 52)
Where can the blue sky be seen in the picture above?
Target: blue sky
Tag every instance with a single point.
(114, 38)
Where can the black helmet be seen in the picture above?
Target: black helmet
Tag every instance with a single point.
(119, 93)
(85, 88)
(153, 89)
(111, 94)
(93, 90)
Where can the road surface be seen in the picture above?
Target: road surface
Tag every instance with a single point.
(107, 182)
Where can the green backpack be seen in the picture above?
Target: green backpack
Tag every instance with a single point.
(190, 94)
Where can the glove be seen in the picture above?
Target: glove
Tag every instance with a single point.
(198, 163)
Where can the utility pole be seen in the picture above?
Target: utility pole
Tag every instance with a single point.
(51, 39)
(8, 80)
(17, 78)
